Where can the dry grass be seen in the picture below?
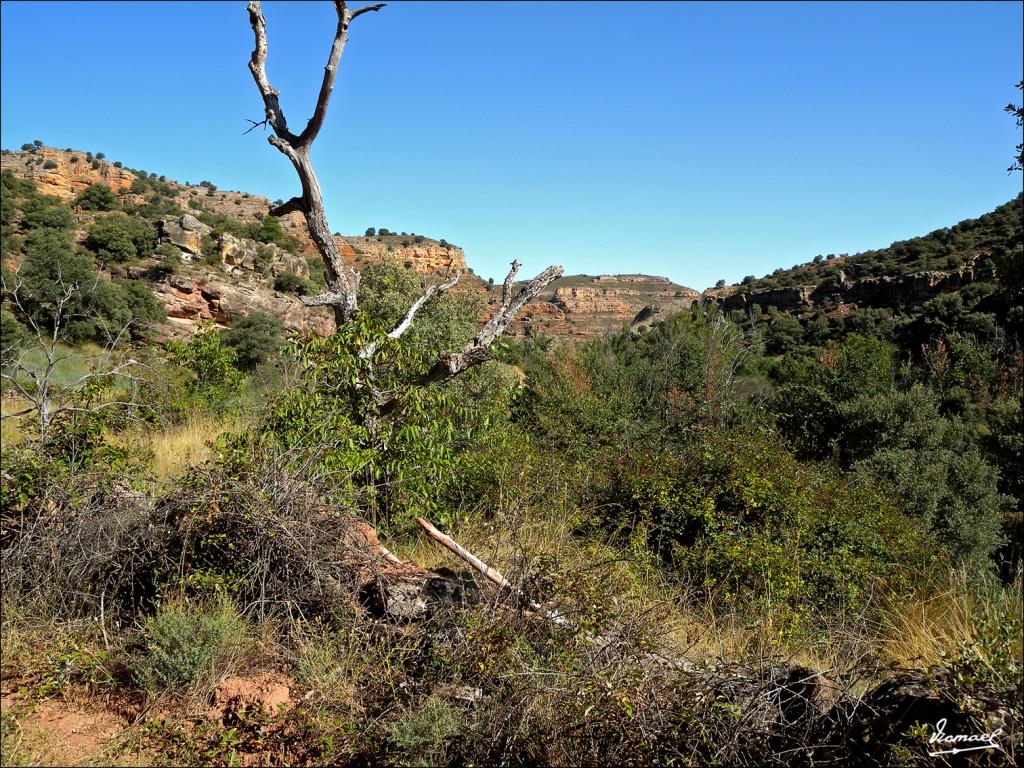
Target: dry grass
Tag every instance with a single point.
(928, 630)
(915, 633)
(179, 447)
(15, 429)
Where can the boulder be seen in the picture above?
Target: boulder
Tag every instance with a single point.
(237, 253)
(185, 232)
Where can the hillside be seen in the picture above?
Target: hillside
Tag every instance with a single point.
(225, 285)
(907, 273)
(803, 511)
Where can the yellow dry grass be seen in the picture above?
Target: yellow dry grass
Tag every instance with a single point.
(921, 632)
(179, 447)
(912, 633)
(12, 430)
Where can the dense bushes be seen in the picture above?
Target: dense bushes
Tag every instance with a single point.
(57, 284)
(745, 522)
(118, 238)
(255, 338)
(847, 406)
(97, 197)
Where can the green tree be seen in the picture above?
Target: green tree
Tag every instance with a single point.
(120, 238)
(215, 377)
(13, 335)
(255, 338)
(97, 197)
(45, 212)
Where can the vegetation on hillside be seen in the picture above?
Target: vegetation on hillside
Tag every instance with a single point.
(747, 539)
(994, 235)
(711, 489)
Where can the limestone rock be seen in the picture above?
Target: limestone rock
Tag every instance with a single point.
(69, 172)
(236, 252)
(186, 232)
(188, 299)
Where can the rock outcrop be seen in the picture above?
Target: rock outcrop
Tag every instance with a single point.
(573, 307)
(894, 292)
(190, 298)
(64, 174)
(186, 232)
(579, 306)
(239, 255)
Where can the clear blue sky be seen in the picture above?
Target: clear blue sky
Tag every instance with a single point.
(691, 140)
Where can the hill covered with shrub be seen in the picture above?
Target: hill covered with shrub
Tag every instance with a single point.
(754, 533)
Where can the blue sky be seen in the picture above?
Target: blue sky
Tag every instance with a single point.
(697, 141)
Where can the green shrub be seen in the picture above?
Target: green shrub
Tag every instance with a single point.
(45, 212)
(97, 197)
(168, 261)
(119, 238)
(216, 377)
(289, 282)
(188, 644)
(255, 338)
(421, 732)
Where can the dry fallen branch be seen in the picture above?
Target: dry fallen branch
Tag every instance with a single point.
(491, 574)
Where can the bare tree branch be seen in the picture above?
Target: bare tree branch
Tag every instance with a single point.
(330, 71)
(328, 299)
(254, 125)
(406, 322)
(450, 364)
(295, 204)
(367, 9)
(506, 288)
(342, 280)
(258, 67)
(492, 574)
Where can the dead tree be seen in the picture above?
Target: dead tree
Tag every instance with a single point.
(343, 280)
(36, 382)
(404, 584)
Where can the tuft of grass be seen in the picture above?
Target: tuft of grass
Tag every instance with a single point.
(191, 645)
(421, 732)
(329, 664)
(938, 626)
(178, 447)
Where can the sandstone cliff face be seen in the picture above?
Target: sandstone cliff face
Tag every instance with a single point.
(70, 174)
(578, 306)
(573, 307)
(194, 296)
(896, 292)
(73, 173)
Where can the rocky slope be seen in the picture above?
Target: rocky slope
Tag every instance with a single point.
(898, 291)
(240, 279)
(584, 306)
(898, 278)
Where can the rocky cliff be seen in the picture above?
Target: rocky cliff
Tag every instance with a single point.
(64, 173)
(239, 276)
(584, 306)
(897, 292)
